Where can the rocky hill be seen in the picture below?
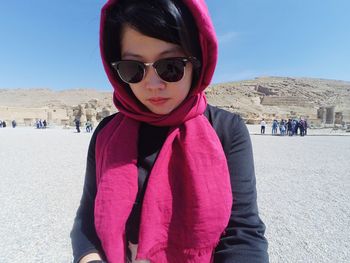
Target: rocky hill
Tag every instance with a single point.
(278, 97)
(265, 97)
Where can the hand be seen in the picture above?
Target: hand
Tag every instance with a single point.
(90, 257)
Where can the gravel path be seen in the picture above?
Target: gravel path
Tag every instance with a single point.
(303, 194)
(41, 183)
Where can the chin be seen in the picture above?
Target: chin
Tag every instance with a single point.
(160, 111)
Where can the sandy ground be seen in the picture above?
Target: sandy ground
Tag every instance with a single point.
(303, 193)
(255, 130)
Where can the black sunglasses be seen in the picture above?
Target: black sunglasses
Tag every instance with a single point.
(168, 69)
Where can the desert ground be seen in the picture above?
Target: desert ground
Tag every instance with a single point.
(303, 194)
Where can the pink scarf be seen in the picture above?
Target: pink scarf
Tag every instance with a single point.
(187, 203)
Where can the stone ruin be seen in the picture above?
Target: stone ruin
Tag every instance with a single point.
(265, 91)
(284, 100)
(91, 111)
(329, 117)
(326, 115)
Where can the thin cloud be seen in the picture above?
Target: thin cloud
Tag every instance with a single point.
(227, 37)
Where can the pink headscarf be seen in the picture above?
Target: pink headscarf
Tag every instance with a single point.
(188, 199)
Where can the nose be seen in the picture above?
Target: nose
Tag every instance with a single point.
(152, 80)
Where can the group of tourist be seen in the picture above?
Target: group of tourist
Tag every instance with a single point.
(41, 124)
(290, 127)
(88, 126)
(3, 124)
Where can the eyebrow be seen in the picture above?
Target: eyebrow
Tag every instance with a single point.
(165, 52)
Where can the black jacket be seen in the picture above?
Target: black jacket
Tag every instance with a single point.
(244, 239)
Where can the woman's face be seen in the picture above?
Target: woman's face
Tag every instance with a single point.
(158, 96)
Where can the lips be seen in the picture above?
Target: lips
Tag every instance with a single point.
(158, 100)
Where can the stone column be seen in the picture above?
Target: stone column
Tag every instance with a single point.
(321, 114)
(330, 114)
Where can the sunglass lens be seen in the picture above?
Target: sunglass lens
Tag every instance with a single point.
(170, 70)
(130, 71)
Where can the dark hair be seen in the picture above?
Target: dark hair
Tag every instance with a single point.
(170, 21)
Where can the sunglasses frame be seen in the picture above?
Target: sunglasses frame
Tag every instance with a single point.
(195, 62)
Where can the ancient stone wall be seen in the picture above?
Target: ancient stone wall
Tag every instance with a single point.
(284, 100)
(24, 116)
(55, 116)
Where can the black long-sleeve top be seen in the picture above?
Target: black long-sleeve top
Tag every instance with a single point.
(243, 241)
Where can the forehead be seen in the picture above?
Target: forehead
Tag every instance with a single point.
(135, 44)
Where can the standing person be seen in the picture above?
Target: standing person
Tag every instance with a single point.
(296, 126)
(162, 173)
(289, 127)
(77, 125)
(87, 126)
(305, 127)
(44, 124)
(14, 123)
(282, 127)
(263, 125)
(91, 126)
(302, 127)
(274, 126)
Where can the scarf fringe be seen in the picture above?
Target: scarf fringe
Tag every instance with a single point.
(163, 254)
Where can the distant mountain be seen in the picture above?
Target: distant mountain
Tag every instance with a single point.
(36, 98)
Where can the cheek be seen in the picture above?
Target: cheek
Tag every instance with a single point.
(135, 90)
(188, 81)
(183, 90)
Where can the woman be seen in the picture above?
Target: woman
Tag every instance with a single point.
(169, 178)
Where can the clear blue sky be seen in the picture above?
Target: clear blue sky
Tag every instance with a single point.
(54, 44)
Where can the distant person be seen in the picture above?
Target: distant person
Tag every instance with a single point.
(302, 127)
(44, 124)
(77, 125)
(14, 124)
(289, 127)
(39, 124)
(0, 123)
(305, 127)
(274, 127)
(91, 127)
(294, 127)
(4, 124)
(168, 177)
(88, 126)
(282, 127)
(262, 126)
